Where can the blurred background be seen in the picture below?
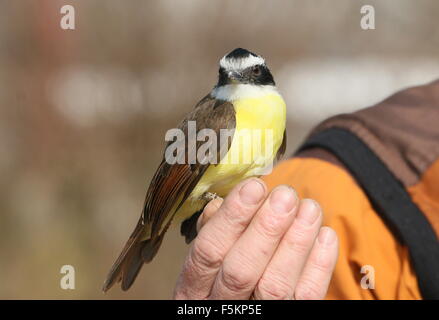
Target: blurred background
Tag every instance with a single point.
(83, 112)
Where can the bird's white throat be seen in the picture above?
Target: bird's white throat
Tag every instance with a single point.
(232, 92)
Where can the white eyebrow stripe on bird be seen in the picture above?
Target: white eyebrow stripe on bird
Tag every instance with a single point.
(241, 63)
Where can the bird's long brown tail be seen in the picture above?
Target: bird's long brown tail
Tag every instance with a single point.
(135, 253)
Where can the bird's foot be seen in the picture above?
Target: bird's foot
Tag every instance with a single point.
(209, 196)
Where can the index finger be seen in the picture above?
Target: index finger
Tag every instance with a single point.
(209, 210)
(217, 237)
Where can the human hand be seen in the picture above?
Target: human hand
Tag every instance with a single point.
(254, 246)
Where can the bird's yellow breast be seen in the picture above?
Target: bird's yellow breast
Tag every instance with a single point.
(260, 125)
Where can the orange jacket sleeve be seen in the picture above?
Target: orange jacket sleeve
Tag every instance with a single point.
(364, 238)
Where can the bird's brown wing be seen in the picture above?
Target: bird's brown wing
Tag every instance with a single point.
(174, 182)
(171, 183)
(282, 147)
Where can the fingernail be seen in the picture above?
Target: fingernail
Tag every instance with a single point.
(309, 212)
(252, 192)
(283, 199)
(326, 236)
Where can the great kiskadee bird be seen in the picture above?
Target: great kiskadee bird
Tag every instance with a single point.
(245, 99)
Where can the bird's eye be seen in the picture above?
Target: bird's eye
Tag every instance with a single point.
(257, 70)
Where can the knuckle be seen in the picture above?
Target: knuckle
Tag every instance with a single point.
(205, 253)
(273, 288)
(308, 289)
(234, 214)
(269, 225)
(298, 240)
(298, 244)
(237, 279)
(321, 263)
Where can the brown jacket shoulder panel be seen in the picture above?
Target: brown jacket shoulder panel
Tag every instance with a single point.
(403, 130)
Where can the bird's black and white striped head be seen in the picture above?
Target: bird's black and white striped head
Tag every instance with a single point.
(244, 67)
